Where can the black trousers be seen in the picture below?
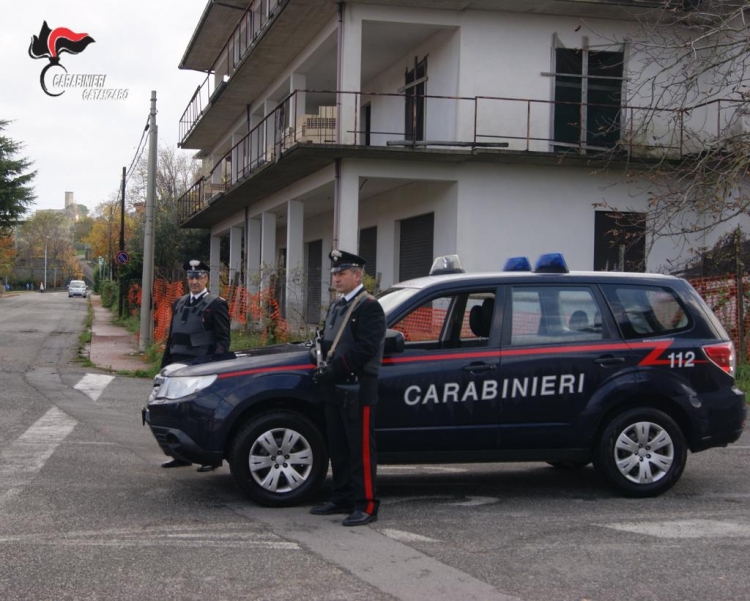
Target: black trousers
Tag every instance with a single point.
(351, 445)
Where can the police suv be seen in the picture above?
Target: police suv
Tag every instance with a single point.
(628, 371)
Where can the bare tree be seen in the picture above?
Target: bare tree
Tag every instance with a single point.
(175, 172)
(688, 61)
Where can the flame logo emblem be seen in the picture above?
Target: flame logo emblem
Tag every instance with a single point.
(51, 43)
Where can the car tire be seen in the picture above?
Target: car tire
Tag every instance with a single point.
(568, 465)
(642, 452)
(278, 458)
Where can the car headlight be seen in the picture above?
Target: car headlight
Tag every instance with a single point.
(176, 388)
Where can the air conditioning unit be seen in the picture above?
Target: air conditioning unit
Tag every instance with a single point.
(318, 129)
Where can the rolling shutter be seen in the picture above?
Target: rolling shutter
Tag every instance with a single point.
(314, 281)
(416, 247)
(368, 244)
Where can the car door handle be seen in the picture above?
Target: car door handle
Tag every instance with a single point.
(609, 360)
(476, 368)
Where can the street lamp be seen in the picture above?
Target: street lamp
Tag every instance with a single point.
(46, 240)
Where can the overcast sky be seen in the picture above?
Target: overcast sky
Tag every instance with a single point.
(82, 145)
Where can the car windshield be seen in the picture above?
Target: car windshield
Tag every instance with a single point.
(394, 297)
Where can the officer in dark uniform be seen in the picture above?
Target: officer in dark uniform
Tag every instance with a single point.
(199, 328)
(350, 415)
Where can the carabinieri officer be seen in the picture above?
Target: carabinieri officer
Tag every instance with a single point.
(350, 417)
(200, 327)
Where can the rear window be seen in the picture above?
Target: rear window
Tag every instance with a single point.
(643, 311)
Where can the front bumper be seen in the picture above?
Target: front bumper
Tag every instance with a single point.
(179, 445)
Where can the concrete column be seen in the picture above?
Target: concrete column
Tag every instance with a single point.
(267, 247)
(298, 107)
(350, 74)
(295, 257)
(252, 255)
(348, 209)
(215, 264)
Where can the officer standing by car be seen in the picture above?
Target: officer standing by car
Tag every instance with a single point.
(352, 348)
(200, 327)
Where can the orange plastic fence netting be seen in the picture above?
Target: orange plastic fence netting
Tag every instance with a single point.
(261, 308)
(424, 324)
(721, 295)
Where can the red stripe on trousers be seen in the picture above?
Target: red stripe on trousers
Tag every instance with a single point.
(366, 458)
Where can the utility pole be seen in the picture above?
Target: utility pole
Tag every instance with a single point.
(122, 245)
(147, 301)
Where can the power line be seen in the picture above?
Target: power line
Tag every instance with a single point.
(138, 152)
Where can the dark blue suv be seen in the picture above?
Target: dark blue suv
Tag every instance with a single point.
(628, 371)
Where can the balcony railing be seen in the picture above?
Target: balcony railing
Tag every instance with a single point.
(480, 124)
(251, 24)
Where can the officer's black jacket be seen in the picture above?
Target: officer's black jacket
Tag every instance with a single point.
(215, 318)
(360, 349)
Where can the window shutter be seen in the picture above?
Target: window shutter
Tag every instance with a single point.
(416, 247)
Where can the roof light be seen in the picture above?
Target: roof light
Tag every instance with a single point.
(517, 264)
(551, 263)
(446, 264)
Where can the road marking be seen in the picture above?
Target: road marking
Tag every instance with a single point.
(407, 537)
(26, 456)
(193, 537)
(685, 529)
(93, 384)
(476, 501)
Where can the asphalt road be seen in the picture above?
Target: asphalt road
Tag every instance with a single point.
(87, 513)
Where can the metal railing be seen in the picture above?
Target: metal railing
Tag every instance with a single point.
(450, 123)
(251, 24)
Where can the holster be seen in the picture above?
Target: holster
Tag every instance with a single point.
(348, 396)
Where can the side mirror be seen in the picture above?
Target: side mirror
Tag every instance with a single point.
(394, 342)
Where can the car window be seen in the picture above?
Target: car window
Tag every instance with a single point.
(643, 311)
(554, 314)
(449, 321)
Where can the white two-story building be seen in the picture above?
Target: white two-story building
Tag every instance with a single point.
(406, 129)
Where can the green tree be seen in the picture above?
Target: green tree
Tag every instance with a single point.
(16, 194)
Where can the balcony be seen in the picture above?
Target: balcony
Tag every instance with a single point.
(273, 32)
(301, 136)
(269, 34)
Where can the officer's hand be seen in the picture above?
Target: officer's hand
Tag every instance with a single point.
(323, 374)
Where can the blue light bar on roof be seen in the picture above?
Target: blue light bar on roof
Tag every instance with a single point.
(517, 264)
(551, 263)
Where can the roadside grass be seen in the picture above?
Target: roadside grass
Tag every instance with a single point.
(743, 379)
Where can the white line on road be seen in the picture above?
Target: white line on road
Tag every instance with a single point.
(685, 529)
(476, 501)
(407, 537)
(214, 535)
(93, 385)
(23, 459)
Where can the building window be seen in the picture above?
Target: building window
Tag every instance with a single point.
(588, 99)
(414, 90)
(367, 123)
(619, 241)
